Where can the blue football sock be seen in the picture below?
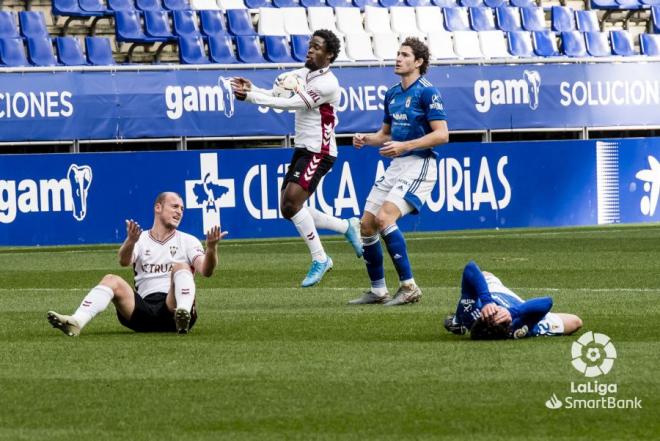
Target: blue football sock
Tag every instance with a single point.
(373, 257)
(396, 246)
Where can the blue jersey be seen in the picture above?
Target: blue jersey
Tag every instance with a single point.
(409, 112)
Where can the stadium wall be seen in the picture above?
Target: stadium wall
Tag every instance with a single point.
(84, 198)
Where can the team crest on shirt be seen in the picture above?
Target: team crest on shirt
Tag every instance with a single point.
(173, 250)
(408, 101)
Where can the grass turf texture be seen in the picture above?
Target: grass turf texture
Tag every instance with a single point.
(269, 361)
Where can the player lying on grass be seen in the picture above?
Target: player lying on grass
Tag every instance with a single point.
(492, 311)
(164, 260)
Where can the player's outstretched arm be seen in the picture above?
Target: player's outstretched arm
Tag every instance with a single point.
(207, 264)
(376, 139)
(133, 231)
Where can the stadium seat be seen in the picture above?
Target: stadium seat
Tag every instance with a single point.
(248, 49)
(533, 18)
(456, 19)
(598, 44)
(573, 45)
(629, 4)
(650, 44)
(520, 44)
(299, 46)
(445, 3)
(655, 19)
(12, 52)
(221, 49)
(185, 24)
(69, 51)
(392, 3)
(211, 22)
(313, 3)
(99, 52)
(604, 4)
(495, 3)
(340, 3)
(295, 21)
(94, 7)
(522, 3)
(466, 44)
(481, 19)
(271, 22)
(157, 25)
(587, 21)
(441, 45)
(622, 43)
(430, 19)
(40, 51)
(493, 44)
(239, 22)
(471, 3)
(418, 3)
(276, 49)
(70, 8)
(649, 2)
(33, 24)
(404, 22)
(191, 51)
(120, 5)
(349, 20)
(204, 5)
(128, 28)
(545, 43)
(343, 56)
(258, 4)
(377, 20)
(563, 19)
(358, 47)
(508, 19)
(385, 46)
(148, 5)
(8, 28)
(286, 3)
(231, 4)
(322, 18)
(176, 5)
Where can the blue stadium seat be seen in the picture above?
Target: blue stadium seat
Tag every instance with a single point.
(482, 19)
(149, 5)
(33, 24)
(239, 22)
(587, 21)
(248, 49)
(390, 3)
(212, 22)
(12, 52)
(649, 2)
(176, 5)
(456, 19)
(99, 52)
(185, 24)
(69, 8)
(598, 44)
(563, 19)
(629, 4)
(523, 3)
(220, 49)
(533, 18)
(415, 3)
(121, 5)
(520, 44)
(650, 44)
(508, 18)
(95, 7)
(604, 4)
(276, 49)
(312, 3)
(622, 43)
(299, 46)
(128, 28)
(69, 51)
(495, 3)
(286, 3)
(40, 51)
(545, 43)
(572, 44)
(362, 3)
(8, 28)
(445, 3)
(191, 51)
(340, 3)
(256, 4)
(157, 25)
(655, 19)
(470, 3)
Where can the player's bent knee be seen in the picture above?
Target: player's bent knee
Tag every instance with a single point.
(112, 281)
(288, 210)
(383, 222)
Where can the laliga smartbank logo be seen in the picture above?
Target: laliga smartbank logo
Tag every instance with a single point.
(593, 355)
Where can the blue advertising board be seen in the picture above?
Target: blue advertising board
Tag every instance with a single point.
(171, 103)
(85, 198)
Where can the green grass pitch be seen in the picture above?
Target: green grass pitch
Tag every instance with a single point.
(270, 361)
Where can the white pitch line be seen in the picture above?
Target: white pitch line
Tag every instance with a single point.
(446, 288)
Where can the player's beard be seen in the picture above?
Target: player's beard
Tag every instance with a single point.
(309, 64)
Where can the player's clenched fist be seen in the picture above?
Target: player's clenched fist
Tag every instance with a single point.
(359, 140)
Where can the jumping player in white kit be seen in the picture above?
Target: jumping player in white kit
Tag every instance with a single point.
(164, 261)
(315, 104)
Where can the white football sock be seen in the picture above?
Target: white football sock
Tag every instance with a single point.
(327, 222)
(184, 289)
(94, 303)
(304, 223)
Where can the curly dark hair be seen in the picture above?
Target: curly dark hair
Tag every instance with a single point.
(420, 51)
(332, 44)
(482, 330)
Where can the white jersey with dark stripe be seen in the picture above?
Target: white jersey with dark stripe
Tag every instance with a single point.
(153, 260)
(315, 106)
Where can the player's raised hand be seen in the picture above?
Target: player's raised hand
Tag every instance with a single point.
(359, 140)
(392, 149)
(133, 230)
(214, 235)
(240, 86)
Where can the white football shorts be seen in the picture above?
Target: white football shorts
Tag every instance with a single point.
(407, 183)
(551, 325)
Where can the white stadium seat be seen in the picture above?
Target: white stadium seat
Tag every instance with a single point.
(386, 46)
(295, 21)
(466, 44)
(349, 20)
(429, 19)
(376, 20)
(342, 51)
(358, 47)
(322, 18)
(493, 44)
(271, 22)
(404, 22)
(203, 4)
(231, 4)
(441, 45)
